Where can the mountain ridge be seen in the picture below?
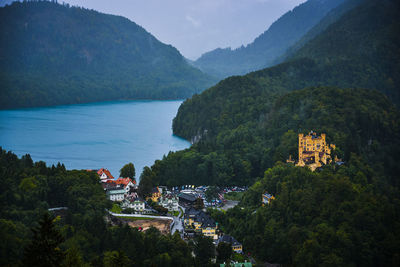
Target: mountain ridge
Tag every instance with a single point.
(262, 52)
(55, 54)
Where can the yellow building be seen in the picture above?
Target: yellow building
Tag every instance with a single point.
(210, 231)
(314, 152)
(155, 194)
(236, 246)
(200, 222)
(266, 198)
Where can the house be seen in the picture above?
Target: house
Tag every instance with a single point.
(200, 222)
(266, 198)
(314, 152)
(137, 204)
(190, 217)
(186, 200)
(236, 246)
(116, 193)
(104, 174)
(169, 202)
(127, 183)
(155, 194)
(208, 226)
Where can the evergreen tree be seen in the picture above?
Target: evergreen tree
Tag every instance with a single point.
(115, 259)
(204, 250)
(224, 251)
(44, 248)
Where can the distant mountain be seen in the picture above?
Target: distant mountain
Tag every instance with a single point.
(359, 50)
(53, 54)
(334, 15)
(266, 48)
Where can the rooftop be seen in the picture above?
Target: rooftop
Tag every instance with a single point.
(188, 197)
(229, 239)
(106, 172)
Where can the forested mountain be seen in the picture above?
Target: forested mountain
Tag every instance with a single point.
(54, 54)
(334, 15)
(245, 127)
(358, 121)
(232, 119)
(267, 47)
(359, 50)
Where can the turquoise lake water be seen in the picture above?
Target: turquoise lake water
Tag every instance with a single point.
(93, 136)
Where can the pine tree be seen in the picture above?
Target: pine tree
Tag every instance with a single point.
(44, 248)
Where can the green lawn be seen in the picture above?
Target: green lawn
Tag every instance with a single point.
(116, 208)
(174, 213)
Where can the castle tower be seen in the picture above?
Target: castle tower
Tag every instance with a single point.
(313, 150)
(301, 149)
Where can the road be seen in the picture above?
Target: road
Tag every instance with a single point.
(178, 222)
(230, 204)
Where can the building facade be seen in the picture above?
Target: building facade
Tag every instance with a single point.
(116, 194)
(266, 198)
(169, 202)
(314, 152)
(236, 246)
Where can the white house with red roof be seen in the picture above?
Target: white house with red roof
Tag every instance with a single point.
(128, 183)
(104, 174)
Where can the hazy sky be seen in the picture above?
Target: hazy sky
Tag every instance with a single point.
(196, 26)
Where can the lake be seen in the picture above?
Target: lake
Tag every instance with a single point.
(92, 136)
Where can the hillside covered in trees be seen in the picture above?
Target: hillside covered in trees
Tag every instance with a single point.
(270, 45)
(243, 125)
(341, 216)
(53, 54)
(79, 235)
(356, 120)
(344, 82)
(360, 50)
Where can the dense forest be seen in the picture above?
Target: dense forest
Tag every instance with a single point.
(270, 45)
(342, 82)
(80, 235)
(360, 50)
(358, 121)
(341, 216)
(245, 124)
(53, 54)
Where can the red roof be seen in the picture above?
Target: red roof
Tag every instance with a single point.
(124, 181)
(106, 172)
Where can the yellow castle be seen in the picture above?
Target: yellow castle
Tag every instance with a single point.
(313, 150)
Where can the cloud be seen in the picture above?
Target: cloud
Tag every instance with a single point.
(196, 23)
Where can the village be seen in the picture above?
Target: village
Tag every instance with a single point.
(169, 210)
(183, 208)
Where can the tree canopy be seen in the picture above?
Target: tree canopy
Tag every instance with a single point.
(54, 54)
(128, 170)
(79, 235)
